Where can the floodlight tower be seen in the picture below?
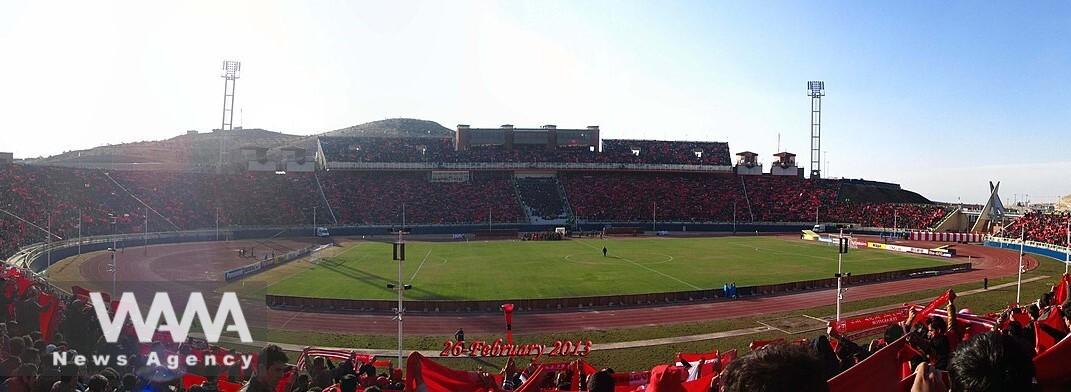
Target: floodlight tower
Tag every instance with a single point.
(231, 71)
(817, 90)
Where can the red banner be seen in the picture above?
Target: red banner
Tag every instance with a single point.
(423, 374)
(1050, 367)
(1042, 339)
(869, 321)
(696, 357)
(48, 317)
(878, 372)
(937, 302)
(1060, 292)
(189, 380)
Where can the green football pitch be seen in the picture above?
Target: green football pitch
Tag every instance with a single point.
(571, 268)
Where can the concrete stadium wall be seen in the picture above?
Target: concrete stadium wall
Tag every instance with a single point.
(309, 304)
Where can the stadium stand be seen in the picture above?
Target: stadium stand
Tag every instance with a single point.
(666, 152)
(891, 215)
(542, 197)
(32, 192)
(189, 200)
(1041, 227)
(383, 149)
(787, 199)
(376, 149)
(377, 197)
(632, 197)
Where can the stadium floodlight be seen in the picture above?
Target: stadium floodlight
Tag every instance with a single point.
(816, 88)
(231, 73)
(231, 69)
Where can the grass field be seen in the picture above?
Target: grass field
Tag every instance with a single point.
(548, 269)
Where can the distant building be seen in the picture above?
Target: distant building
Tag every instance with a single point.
(296, 159)
(256, 159)
(547, 137)
(786, 165)
(6, 158)
(747, 164)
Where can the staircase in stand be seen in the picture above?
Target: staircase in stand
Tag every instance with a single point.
(543, 199)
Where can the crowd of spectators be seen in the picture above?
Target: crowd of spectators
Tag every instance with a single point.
(922, 348)
(185, 201)
(384, 149)
(667, 152)
(172, 201)
(432, 150)
(676, 197)
(542, 197)
(365, 198)
(38, 323)
(51, 198)
(1040, 227)
(787, 199)
(43, 331)
(890, 215)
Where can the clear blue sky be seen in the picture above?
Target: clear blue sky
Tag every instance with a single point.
(938, 96)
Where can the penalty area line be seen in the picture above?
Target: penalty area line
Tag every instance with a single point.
(420, 266)
(648, 268)
(661, 273)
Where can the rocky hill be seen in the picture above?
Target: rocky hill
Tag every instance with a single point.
(200, 150)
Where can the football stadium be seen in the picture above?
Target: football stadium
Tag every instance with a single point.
(629, 253)
(404, 255)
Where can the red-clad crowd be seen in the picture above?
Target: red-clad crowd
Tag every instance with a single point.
(676, 197)
(190, 200)
(185, 201)
(788, 199)
(890, 215)
(172, 200)
(1041, 227)
(667, 152)
(51, 198)
(378, 197)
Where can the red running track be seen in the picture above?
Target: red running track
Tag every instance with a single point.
(162, 266)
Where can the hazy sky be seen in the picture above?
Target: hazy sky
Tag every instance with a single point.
(937, 96)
